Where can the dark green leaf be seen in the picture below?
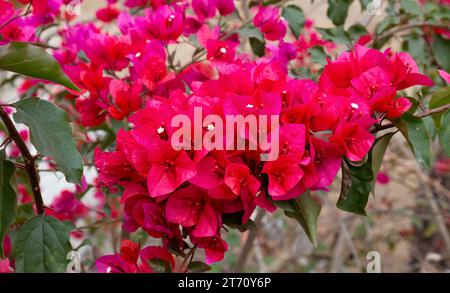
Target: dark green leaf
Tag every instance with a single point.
(439, 99)
(24, 213)
(305, 210)
(51, 134)
(356, 31)
(377, 153)
(418, 137)
(411, 7)
(235, 221)
(34, 62)
(441, 49)
(250, 31)
(336, 35)
(258, 47)
(337, 11)
(198, 267)
(318, 55)
(159, 265)
(416, 46)
(295, 17)
(444, 133)
(7, 198)
(355, 188)
(41, 246)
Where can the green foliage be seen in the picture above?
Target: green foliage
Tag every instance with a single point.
(305, 210)
(51, 134)
(159, 265)
(355, 189)
(418, 137)
(255, 37)
(34, 62)
(258, 47)
(377, 153)
(295, 17)
(338, 10)
(41, 246)
(439, 98)
(441, 49)
(235, 221)
(7, 198)
(444, 133)
(198, 267)
(318, 55)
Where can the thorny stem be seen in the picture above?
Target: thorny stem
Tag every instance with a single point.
(421, 115)
(28, 159)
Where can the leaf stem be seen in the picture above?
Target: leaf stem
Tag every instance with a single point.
(28, 159)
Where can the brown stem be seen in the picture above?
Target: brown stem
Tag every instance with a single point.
(421, 115)
(28, 159)
(248, 246)
(28, 11)
(396, 30)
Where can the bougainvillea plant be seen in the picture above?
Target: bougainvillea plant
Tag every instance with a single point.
(104, 93)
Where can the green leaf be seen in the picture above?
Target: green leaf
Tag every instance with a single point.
(411, 7)
(51, 134)
(258, 47)
(24, 213)
(198, 267)
(416, 46)
(355, 188)
(8, 200)
(318, 55)
(418, 137)
(159, 265)
(250, 31)
(33, 61)
(295, 17)
(356, 31)
(439, 98)
(441, 48)
(444, 133)
(234, 221)
(336, 35)
(377, 153)
(338, 10)
(41, 246)
(255, 37)
(305, 210)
